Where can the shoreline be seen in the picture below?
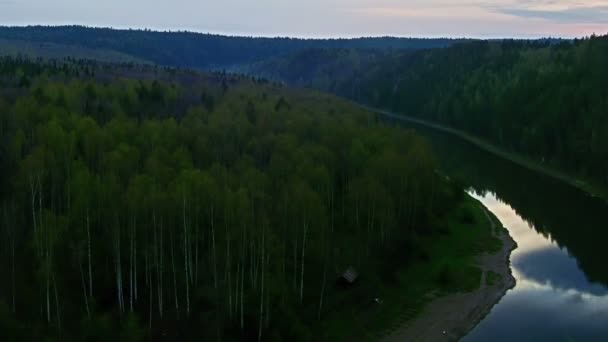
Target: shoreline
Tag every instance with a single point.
(521, 160)
(451, 317)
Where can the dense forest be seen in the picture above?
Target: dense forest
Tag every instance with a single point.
(50, 51)
(191, 49)
(330, 70)
(139, 202)
(545, 99)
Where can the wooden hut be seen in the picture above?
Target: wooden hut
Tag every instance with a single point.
(348, 277)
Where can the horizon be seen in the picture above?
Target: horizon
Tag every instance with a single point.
(477, 19)
(251, 35)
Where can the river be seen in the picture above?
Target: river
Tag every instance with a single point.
(561, 263)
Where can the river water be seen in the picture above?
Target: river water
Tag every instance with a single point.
(561, 263)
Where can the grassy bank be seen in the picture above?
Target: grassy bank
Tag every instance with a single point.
(585, 185)
(445, 263)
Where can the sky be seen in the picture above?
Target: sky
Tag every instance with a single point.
(325, 18)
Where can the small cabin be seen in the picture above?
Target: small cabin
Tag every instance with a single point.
(348, 277)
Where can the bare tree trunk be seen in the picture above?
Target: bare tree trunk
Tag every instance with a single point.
(84, 290)
(157, 262)
(48, 300)
(242, 296)
(261, 321)
(148, 278)
(196, 243)
(135, 257)
(120, 284)
(13, 275)
(325, 262)
(254, 260)
(58, 313)
(214, 249)
(267, 304)
(322, 293)
(174, 272)
(285, 256)
(43, 247)
(118, 268)
(186, 257)
(242, 279)
(89, 256)
(119, 279)
(10, 231)
(228, 267)
(302, 261)
(150, 308)
(237, 287)
(33, 195)
(254, 264)
(131, 266)
(68, 185)
(161, 272)
(295, 263)
(328, 246)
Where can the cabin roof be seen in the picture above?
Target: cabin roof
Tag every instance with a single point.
(350, 275)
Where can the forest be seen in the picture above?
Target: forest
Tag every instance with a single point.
(187, 49)
(545, 99)
(146, 203)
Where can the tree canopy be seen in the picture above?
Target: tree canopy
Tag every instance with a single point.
(181, 48)
(140, 202)
(545, 99)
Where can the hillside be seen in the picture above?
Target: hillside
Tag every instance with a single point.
(543, 99)
(141, 203)
(197, 50)
(323, 69)
(20, 48)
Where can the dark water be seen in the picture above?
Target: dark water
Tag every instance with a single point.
(561, 263)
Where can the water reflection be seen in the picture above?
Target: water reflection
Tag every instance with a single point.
(553, 300)
(560, 264)
(560, 213)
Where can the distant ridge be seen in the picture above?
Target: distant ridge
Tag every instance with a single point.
(200, 50)
(31, 49)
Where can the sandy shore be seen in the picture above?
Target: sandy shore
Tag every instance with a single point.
(451, 317)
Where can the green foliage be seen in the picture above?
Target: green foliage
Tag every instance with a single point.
(453, 278)
(58, 51)
(467, 215)
(544, 99)
(179, 49)
(444, 261)
(492, 278)
(134, 208)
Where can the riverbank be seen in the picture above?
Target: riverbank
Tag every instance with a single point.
(448, 262)
(583, 185)
(450, 317)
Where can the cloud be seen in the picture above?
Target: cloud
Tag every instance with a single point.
(572, 15)
(553, 267)
(317, 18)
(432, 10)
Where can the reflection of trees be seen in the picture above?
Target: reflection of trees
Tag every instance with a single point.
(571, 218)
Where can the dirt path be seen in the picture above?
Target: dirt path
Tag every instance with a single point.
(450, 317)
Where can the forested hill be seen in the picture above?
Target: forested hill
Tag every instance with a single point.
(324, 69)
(143, 203)
(50, 51)
(544, 99)
(197, 50)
